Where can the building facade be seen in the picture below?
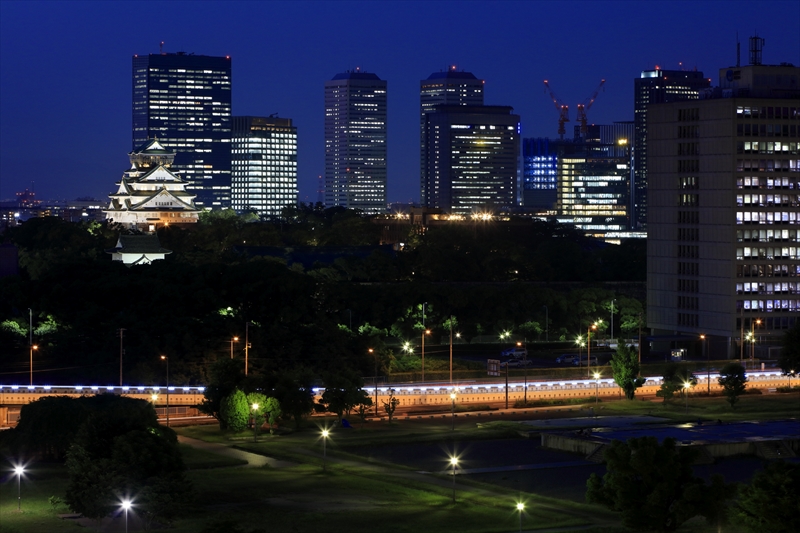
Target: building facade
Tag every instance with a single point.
(656, 87)
(355, 142)
(473, 158)
(263, 165)
(150, 194)
(448, 87)
(724, 217)
(540, 172)
(593, 188)
(184, 100)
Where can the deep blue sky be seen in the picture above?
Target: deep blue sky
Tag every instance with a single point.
(65, 67)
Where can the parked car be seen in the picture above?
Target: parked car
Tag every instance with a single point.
(592, 361)
(512, 363)
(566, 359)
(515, 353)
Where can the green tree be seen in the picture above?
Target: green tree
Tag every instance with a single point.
(733, 380)
(625, 369)
(117, 453)
(223, 378)
(234, 411)
(674, 380)
(652, 485)
(48, 426)
(344, 391)
(771, 502)
(294, 390)
(391, 405)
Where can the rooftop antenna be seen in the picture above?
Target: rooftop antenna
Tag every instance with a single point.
(738, 50)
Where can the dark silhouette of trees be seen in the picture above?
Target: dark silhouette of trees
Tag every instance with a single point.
(653, 488)
(733, 380)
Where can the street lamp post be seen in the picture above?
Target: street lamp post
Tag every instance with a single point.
(588, 346)
(19, 470)
(166, 359)
(451, 350)
(453, 399)
(255, 421)
(324, 448)
(375, 379)
(686, 386)
(525, 365)
(753, 342)
(126, 505)
(424, 332)
(520, 509)
(33, 347)
(596, 388)
(708, 364)
(246, 345)
(454, 463)
(233, 339)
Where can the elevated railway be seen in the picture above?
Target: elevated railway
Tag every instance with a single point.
(183, 400)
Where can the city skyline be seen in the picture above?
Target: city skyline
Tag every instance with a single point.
(65, 71)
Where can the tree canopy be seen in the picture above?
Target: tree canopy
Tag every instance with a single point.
(652, 486)
(733, 379)
(625, 369)
(771, 502)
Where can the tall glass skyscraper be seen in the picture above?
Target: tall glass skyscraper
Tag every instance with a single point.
(184, 100)
(263, 165)
(448, 87)
(473, 158)
(355, 142)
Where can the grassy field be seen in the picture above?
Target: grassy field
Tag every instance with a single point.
(355, 494)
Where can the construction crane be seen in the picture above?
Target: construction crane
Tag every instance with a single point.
(561, 107)
(584, 107)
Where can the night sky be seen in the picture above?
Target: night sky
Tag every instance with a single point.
(65, 68)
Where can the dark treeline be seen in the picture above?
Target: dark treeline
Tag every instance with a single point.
(491, 278)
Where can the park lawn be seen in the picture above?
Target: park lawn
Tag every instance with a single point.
(749, 407)
(353, 499)
(39, 483)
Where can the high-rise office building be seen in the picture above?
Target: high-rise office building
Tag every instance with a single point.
(355, 142)
(184, 100)
(449, 87)
(656, 87)
(593, 187)
(540, 172)
(263, 165)
(473, 158)
(723, 249)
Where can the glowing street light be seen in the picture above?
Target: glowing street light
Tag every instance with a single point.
(708, 364)
(126, 504)
(753, 325)
(596, 388)
(33, 347)
(19, 470)
(589, 345)
(324, 447)
(424, 332)
(686, 386)
(454, 463)
(255, 420)
(520, 510)
(233, 339)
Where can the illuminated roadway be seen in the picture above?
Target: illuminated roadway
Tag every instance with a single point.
(182, 400)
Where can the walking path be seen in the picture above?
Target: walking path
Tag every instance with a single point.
(254, 460)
